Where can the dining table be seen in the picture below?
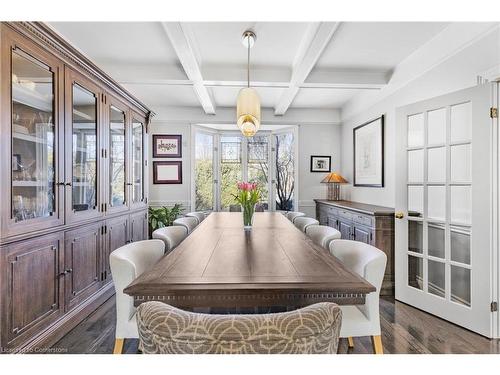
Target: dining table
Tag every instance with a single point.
(222, 265)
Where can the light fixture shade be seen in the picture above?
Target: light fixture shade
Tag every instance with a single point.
(334, 178)
(248, 111)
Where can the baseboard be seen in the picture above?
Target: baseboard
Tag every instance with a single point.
(59, 329)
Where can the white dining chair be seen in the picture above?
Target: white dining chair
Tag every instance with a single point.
(187, 222)
(322, 235)
(293, 215)
(198, 215)
(171, 236)
(368, 262)
(127, 263)
(303, 222)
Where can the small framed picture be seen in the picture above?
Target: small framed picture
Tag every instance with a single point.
(167, 146)
(321, 163)
(369, 153)
(16, 163)
(167, 172)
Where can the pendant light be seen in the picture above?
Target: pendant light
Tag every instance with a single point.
(248, 104)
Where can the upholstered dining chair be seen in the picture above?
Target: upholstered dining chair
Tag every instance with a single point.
(127, 263)
(171, 236)
(234, 208)
(165, 329)
(187, 222)
(198, 215)
(368, 262)
(322, 235)
(294, 214)
(303, 222)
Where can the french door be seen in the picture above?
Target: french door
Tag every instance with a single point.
(444, 207)
(221, 159)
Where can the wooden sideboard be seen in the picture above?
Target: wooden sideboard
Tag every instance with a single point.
(74, 184)
(367, 223)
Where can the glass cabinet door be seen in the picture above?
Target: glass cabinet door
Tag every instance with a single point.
(117, 197)
(82, 147)
(137, 173)
(33, 143)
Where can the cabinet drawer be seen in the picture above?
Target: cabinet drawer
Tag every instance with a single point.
(344, 214)
(363, 219)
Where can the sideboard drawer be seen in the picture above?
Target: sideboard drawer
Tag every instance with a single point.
(348, 215)
(363, 220)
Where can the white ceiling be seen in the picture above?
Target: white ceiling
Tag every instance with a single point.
(294, 64)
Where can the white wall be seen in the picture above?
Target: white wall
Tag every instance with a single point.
(177, 193)
(316, 140)
(457, 72)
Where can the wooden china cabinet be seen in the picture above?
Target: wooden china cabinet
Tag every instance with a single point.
(73, 183)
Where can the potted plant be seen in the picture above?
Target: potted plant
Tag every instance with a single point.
(162, 216)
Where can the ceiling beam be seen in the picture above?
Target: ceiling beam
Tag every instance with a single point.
(312, 47)
(187, 56)
(273, 77)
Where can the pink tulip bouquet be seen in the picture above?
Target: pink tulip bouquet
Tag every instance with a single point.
(248, 196)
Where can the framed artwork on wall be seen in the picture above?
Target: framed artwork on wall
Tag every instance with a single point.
(321, 163)
(167, 146)
(368, 142)
(167, 172)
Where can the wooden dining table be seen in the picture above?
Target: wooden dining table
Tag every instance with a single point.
(220, 265)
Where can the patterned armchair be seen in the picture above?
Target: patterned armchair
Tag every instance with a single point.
(167, 330)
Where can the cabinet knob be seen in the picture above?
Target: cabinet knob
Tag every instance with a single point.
(399, 215)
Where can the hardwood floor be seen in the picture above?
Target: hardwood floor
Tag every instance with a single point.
(404, 330)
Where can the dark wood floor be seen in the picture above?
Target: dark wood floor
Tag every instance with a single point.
(404, 330)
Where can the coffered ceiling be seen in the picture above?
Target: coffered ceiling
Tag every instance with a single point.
(293, 64)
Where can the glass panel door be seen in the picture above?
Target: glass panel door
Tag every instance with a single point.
(230, 170)
(84, 149)
(137, 162)
(33, 193)
(204, 172)
(284, 182)
(258, 166)
(443, 232)
(117, 166)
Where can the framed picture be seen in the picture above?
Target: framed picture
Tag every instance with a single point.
(369, 153)
(167, 146)
(167, 172)
(321, 163)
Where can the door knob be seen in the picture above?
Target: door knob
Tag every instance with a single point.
(399, 215)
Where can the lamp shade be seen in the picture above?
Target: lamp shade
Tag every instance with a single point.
(248, 111)
(334, 178)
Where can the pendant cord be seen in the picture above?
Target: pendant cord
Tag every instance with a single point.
(248, 61)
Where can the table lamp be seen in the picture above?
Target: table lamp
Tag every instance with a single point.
(334, 180)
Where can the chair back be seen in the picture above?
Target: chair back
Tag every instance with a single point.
(259, 207)
(200, 216)
(322, 235)
(368, 262)
(171, 236)
(303, 222)
(167, 330)
(127, 263)
(187, 222)
(294, 214)
(235, 208)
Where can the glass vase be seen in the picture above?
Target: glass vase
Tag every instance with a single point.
(248, 216)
